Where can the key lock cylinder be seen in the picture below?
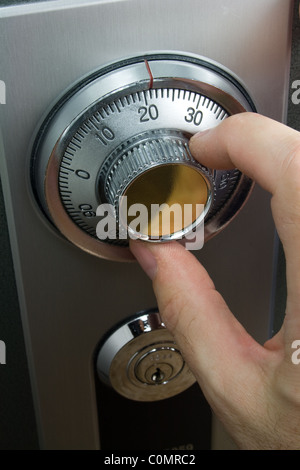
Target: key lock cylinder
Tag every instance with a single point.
(115, 148)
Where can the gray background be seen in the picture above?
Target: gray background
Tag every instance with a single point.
(17, 423)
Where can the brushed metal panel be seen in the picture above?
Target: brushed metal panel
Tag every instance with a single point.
(69, 299)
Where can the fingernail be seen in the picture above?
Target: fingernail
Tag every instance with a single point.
(200, 134)
(196, 139)
(144, 257)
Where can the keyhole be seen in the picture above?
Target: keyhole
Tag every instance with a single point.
(158, 376)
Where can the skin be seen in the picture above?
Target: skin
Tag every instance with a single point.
(253, 389)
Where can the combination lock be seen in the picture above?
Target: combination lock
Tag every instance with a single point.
(124, 131)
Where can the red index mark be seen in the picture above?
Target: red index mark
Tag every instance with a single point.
(150, 74)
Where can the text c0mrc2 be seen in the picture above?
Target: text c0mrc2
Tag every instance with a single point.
(152, 459)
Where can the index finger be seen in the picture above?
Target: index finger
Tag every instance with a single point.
(260, 147)
(268, 152)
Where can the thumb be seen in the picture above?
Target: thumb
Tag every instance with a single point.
(212, 341)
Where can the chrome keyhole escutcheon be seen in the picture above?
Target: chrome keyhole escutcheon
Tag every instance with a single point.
(141, 360)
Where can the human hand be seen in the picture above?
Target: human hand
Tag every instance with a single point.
(265, 414)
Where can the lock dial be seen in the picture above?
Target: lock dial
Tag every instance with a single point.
(124, 130)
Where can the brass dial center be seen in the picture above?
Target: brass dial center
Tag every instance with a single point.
(159, 191)
(181, 193)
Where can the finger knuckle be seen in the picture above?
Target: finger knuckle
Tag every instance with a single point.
(290, 170)
(171, 310)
